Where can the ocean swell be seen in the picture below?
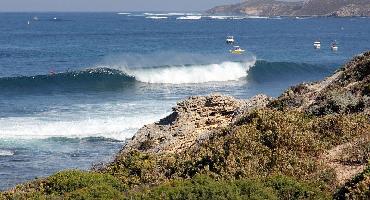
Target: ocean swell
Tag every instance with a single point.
(113, 77)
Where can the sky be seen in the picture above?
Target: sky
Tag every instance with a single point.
(110, 5)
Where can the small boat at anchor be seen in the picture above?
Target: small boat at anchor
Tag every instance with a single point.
(230, 40)
(317, 45)
(237, 50)
(334, 46)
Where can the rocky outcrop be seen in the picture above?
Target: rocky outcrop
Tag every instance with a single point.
(341, 8)
(258, 8)
(347, 91)
(191, 121)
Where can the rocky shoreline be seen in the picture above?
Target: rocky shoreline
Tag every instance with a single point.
(339, 8)
(312, 142)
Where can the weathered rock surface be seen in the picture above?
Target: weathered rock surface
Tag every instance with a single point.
(192, 120)
(341, 8)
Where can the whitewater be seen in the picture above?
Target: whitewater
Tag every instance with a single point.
(73, 90)
(225, 71)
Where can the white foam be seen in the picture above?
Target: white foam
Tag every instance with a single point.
(6, 152)
(191, 17)
(226, 71)
(256, 17)
(123, 13)
(109, 121)
(170, 14)
(220, 17)
(156, 17)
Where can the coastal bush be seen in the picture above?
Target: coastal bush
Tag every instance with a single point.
(290, 98)
(71, 185)
(357, 188)
(262, 143)
(337, 101)
(357, 153)
(204, 187)
(136, 168)
(247, 154)
(366, 90)
(268, 141)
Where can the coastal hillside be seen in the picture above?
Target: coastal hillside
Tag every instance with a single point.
(302, 8)
(312, 142)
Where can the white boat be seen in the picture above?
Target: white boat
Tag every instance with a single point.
(317, 45)
(334, 46)
(237, 50)
(230, 40)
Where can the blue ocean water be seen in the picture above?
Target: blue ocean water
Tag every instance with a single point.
(74, 86)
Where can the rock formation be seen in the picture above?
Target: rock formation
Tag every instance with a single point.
(341, 8)
(192, 120)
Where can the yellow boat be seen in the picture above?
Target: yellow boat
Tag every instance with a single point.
(237, 50)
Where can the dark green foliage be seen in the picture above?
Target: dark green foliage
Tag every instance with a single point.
(71, 185)
(70, 181)
(290, 189)
(203, 187)
(366, 90)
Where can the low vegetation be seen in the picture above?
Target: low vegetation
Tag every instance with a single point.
(277, 152)
(259, 157)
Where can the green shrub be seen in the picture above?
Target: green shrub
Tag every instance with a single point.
(203, 187)
(290, 189)
(69, 181)
(71, 184)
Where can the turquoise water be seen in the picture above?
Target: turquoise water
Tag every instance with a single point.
(74, 86)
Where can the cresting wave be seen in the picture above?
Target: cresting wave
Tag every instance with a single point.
(116, 76)
(226, 71)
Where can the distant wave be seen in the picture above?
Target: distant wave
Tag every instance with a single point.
(156, 17)
(170, 14)
(6, 152)
(191, 17)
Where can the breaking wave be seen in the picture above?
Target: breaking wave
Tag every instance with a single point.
(112, 77)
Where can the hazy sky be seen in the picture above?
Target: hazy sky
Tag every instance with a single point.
(110, 5)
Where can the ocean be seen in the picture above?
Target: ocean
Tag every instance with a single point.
(74, 86)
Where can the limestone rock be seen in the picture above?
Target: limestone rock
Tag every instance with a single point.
(191, 120)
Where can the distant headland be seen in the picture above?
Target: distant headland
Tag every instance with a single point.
(340, 8)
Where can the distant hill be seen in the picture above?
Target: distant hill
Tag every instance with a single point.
(302, 8)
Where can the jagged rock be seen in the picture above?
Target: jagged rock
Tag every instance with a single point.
(191, 121)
